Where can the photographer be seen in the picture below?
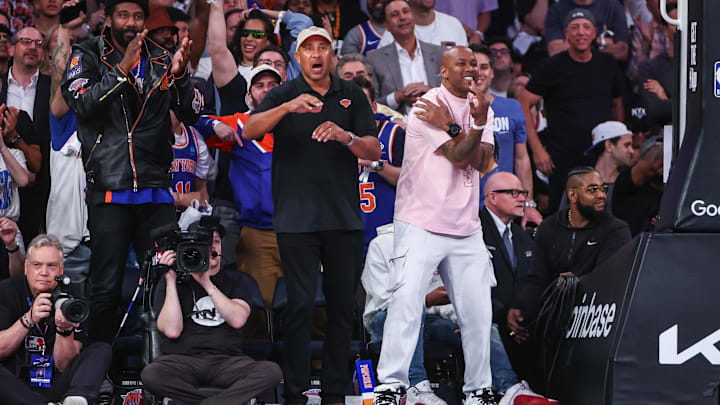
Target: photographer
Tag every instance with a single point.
(44, 357)
(200, 318)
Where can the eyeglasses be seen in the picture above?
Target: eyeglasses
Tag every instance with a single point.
(514, 193)
(28, 41)
(503, 52)
(255, 34)
(594, 188)
(277, 64)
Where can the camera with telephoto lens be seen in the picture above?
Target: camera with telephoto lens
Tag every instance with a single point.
(75, 310)
(192, 247)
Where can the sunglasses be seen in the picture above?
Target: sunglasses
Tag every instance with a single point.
(513, 192)
(594, 188)
(255, 34)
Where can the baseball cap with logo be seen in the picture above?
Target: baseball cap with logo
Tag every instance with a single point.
(312, 32)
(260, 69)
(579, 13)
(607, 130)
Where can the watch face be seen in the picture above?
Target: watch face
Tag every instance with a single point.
(454, 130)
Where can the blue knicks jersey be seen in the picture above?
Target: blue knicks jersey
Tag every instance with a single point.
(377, 196)
(185, 161)
(370, 37)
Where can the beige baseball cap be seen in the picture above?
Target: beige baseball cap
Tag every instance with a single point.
(259, 69)
(312, 32)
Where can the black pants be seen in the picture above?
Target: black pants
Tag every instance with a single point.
(301, 254)
(178, 377)
(112, 228)
(83, 378)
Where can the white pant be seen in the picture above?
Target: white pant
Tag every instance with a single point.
(466, 270)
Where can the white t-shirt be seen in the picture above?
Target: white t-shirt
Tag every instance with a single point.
(445, 28)
(66, 210)
(245, 72)
(9, 197)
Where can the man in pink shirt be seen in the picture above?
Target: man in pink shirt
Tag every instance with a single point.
(437, 226)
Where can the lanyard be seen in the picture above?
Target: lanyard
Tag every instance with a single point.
(37, 325)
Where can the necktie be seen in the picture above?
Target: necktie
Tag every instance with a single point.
(509, 247)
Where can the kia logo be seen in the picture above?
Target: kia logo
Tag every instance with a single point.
(699, 209)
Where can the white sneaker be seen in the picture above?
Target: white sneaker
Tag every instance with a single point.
(387, 395)
(484, 396)
(74, 400)
(422, 393)
(521, 394)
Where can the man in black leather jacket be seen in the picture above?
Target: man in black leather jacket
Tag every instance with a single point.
(121, 86)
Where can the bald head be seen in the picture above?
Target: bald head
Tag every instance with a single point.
(502, 180)
(449, 56)
(458, 69)
(499, 199)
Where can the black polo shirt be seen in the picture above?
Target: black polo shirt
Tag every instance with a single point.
(315, 185)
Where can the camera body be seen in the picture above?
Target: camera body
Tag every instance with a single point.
(75, 310)
(192, 249)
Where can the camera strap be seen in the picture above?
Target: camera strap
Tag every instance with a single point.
(37, 324)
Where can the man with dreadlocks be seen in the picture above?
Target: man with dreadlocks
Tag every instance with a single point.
(570, 242)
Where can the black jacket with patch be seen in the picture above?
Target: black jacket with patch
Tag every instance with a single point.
(124, 124)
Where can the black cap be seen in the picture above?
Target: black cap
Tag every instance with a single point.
(579, 13)
(208, 222)
(110, 4)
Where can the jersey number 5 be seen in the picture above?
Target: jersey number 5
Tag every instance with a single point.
(367, 199)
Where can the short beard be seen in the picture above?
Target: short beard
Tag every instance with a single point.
(591, 214)
(119, 36)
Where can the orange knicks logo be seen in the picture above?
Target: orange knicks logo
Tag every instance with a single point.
(345, 102)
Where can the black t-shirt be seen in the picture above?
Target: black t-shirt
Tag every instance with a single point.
(635, 205)
(609, 15)
(232, 96)
(204, 329)
(314, 184)
(577, 96)
(14, 297)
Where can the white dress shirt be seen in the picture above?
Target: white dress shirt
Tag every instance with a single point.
(412, 70)
(22, 98)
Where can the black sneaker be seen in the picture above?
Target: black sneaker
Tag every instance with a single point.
(484, 396)
(387, 395)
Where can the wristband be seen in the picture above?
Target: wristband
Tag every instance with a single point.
(65, 333)
(477, 127)
(27, 322)
(17, 247)
(16, 140)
